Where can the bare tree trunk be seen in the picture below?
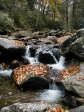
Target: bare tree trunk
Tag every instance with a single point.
(70, 15)
(66, 15)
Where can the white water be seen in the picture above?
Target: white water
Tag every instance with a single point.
(6, 72)
(56, 61)
(52, 94)
(44, 52)
(32, 60)
(59, 65)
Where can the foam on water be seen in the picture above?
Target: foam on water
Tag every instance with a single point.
(51, 95)
(32, 60)
(6, 72)
(59, 65)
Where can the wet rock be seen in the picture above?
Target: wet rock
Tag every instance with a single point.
(40, 34)
(46, 41)
(75, 45)
(11, 49)
(4, 66)
(46, 58)
(77, 48)
(78, 109)
(62, 39)
(31, 107)
(56, 33)
(12, 53)
(14, 64)
(52, 33)
(75, 83)
(80, 32)
(31, 76)
(48, 54)
(23, 33)
(8, 43)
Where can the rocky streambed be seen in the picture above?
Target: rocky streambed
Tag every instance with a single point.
(45, 67)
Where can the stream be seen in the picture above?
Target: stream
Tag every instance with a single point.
(9, 93)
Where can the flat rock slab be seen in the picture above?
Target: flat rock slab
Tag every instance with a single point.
(27, 107)
(9, 43)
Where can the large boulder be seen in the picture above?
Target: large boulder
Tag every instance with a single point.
(9, 43)
(49, 54)
(77, 48)
(11, 49)
(75, 83)
(31, 76)
(75, 45)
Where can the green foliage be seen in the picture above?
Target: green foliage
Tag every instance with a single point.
(51, 24)
(6, 23)
(31, 4)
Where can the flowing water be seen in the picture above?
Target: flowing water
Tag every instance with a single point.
(32, 60)
(53, 94)
(5, 73)
(9, 93)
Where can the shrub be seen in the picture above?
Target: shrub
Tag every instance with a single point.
(6, 23)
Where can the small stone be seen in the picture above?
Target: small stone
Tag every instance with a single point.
(10, 93)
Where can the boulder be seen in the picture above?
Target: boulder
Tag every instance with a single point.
(22, 33)
(49, 54)
(31, 76)
(78, 109)
(56, 33)
(32, 107)
(46, 58)
(75, 83)
(77, 48)
(40, 34)
(11, 49)
(75, 45)
(9, 43)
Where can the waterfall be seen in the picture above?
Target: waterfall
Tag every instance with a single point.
(56, 61)
(52, 94)
(59, 65)
(32, 60)
(46, 51)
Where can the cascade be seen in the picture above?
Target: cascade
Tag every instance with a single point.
(45, 53)
(52, 94)
(32, 60)
(59, 65)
